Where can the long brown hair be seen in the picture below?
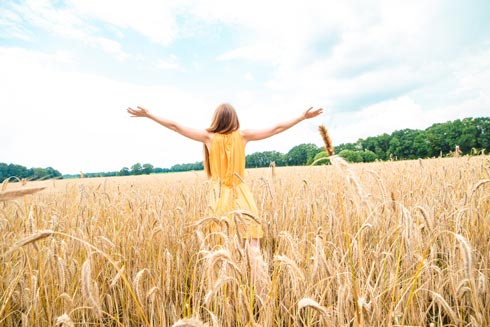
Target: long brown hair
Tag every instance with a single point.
(225, 120)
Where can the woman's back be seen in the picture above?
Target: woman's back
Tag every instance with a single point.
(227, 158)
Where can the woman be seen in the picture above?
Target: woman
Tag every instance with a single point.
(224, 162)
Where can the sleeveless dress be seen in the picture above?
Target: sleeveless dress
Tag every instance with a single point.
(229, 192)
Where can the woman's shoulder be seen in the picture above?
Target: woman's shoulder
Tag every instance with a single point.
(245, 134)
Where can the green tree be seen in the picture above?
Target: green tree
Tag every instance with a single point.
(161, 170)
(17, 171)
(302, 154)
(401, 144)
(50, 172)
(124, 172)
(345, 146)
(438, 140)
(383, 144)
(136, 169)
(188, 166)
(38, 173)
(147, 169)
(264, 159)
(421, 145)
(370, 143)
(483, 128)
(3, 171)
(351, 155)
(394, 148)
(468, 137)
(368, 156)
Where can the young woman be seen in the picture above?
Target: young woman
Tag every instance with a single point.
(224, 162)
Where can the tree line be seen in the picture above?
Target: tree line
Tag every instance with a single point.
(18, 173)
(468, 136)
(141, 169)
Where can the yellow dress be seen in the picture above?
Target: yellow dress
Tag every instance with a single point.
(229, 191)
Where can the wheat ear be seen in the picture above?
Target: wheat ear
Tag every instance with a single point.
(12, 194)
(30, 239)
(64, 321)
(329, 149)
(308, 302)
(88, 289)
(189, 322)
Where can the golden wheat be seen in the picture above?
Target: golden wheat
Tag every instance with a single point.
(379, 244)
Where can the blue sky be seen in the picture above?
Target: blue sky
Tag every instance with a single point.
(71, 68)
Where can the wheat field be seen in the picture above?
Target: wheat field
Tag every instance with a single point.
(381, 244)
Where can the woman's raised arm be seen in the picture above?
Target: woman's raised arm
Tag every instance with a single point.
(260, 134)
(192, 133)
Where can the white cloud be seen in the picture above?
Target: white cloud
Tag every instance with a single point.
(42, 14)
(257, 52)
(65, 22)
(249, 76)
(383, 117)
(11, 25)
(152, 18)
(75, 121)
(473, 73)
(371, 53)
(170, 63)
(396, 114)
(112, 47)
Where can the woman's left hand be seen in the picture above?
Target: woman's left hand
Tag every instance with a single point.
(138, 112)
(310, 113)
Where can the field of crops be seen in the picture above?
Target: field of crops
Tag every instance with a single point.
(381, 244)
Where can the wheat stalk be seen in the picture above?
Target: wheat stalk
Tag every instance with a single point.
(88, 289)
(479, 184)
(442, 302)
(137, 283)
(319, 256)
(117, 277)
(307, 302)
(30, 239)
(12, 194)
(151, 294)
(216, 287)
(466, 254)
(293, 267)
(329, 148)
(214, 257)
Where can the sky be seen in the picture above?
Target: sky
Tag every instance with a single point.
(69, 69)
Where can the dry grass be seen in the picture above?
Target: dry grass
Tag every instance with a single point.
(381, 244)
